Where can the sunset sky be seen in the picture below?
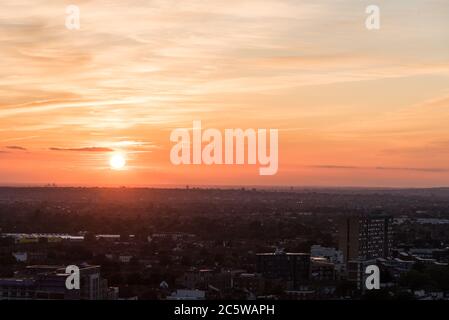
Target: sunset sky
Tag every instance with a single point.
(353, 107)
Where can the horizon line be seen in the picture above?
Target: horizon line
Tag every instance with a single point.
(211, 186)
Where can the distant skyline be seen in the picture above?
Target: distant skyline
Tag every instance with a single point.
(353, 107)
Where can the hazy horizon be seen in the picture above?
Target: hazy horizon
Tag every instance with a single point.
(212, 186)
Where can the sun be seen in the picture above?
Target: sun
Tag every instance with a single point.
(117, 161)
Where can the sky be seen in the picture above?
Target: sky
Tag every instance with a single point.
(354, 107)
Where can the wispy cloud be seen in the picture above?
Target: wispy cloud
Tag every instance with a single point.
(435, 170)
(85, 149)
(17, 148)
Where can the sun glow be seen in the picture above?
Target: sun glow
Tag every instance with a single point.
(117, 161)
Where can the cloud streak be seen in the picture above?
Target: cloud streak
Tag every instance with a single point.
(17, 148)
(432, 170)
(85, 149)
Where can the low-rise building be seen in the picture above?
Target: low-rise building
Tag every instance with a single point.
(43, 282)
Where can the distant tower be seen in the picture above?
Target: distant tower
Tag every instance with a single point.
(366, 237)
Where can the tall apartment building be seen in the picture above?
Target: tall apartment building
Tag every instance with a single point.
(366, 237)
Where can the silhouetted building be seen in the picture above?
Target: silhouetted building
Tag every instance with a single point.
(356, 272)
(322, 270)
(366, 237)
(293, 268)
(49, 283)
(252, 282)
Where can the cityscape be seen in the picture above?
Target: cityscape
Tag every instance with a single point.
(218, 244)
(193, 159)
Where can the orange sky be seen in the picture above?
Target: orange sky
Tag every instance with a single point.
(353, 107)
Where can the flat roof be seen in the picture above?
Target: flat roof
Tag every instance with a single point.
(283, 254)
